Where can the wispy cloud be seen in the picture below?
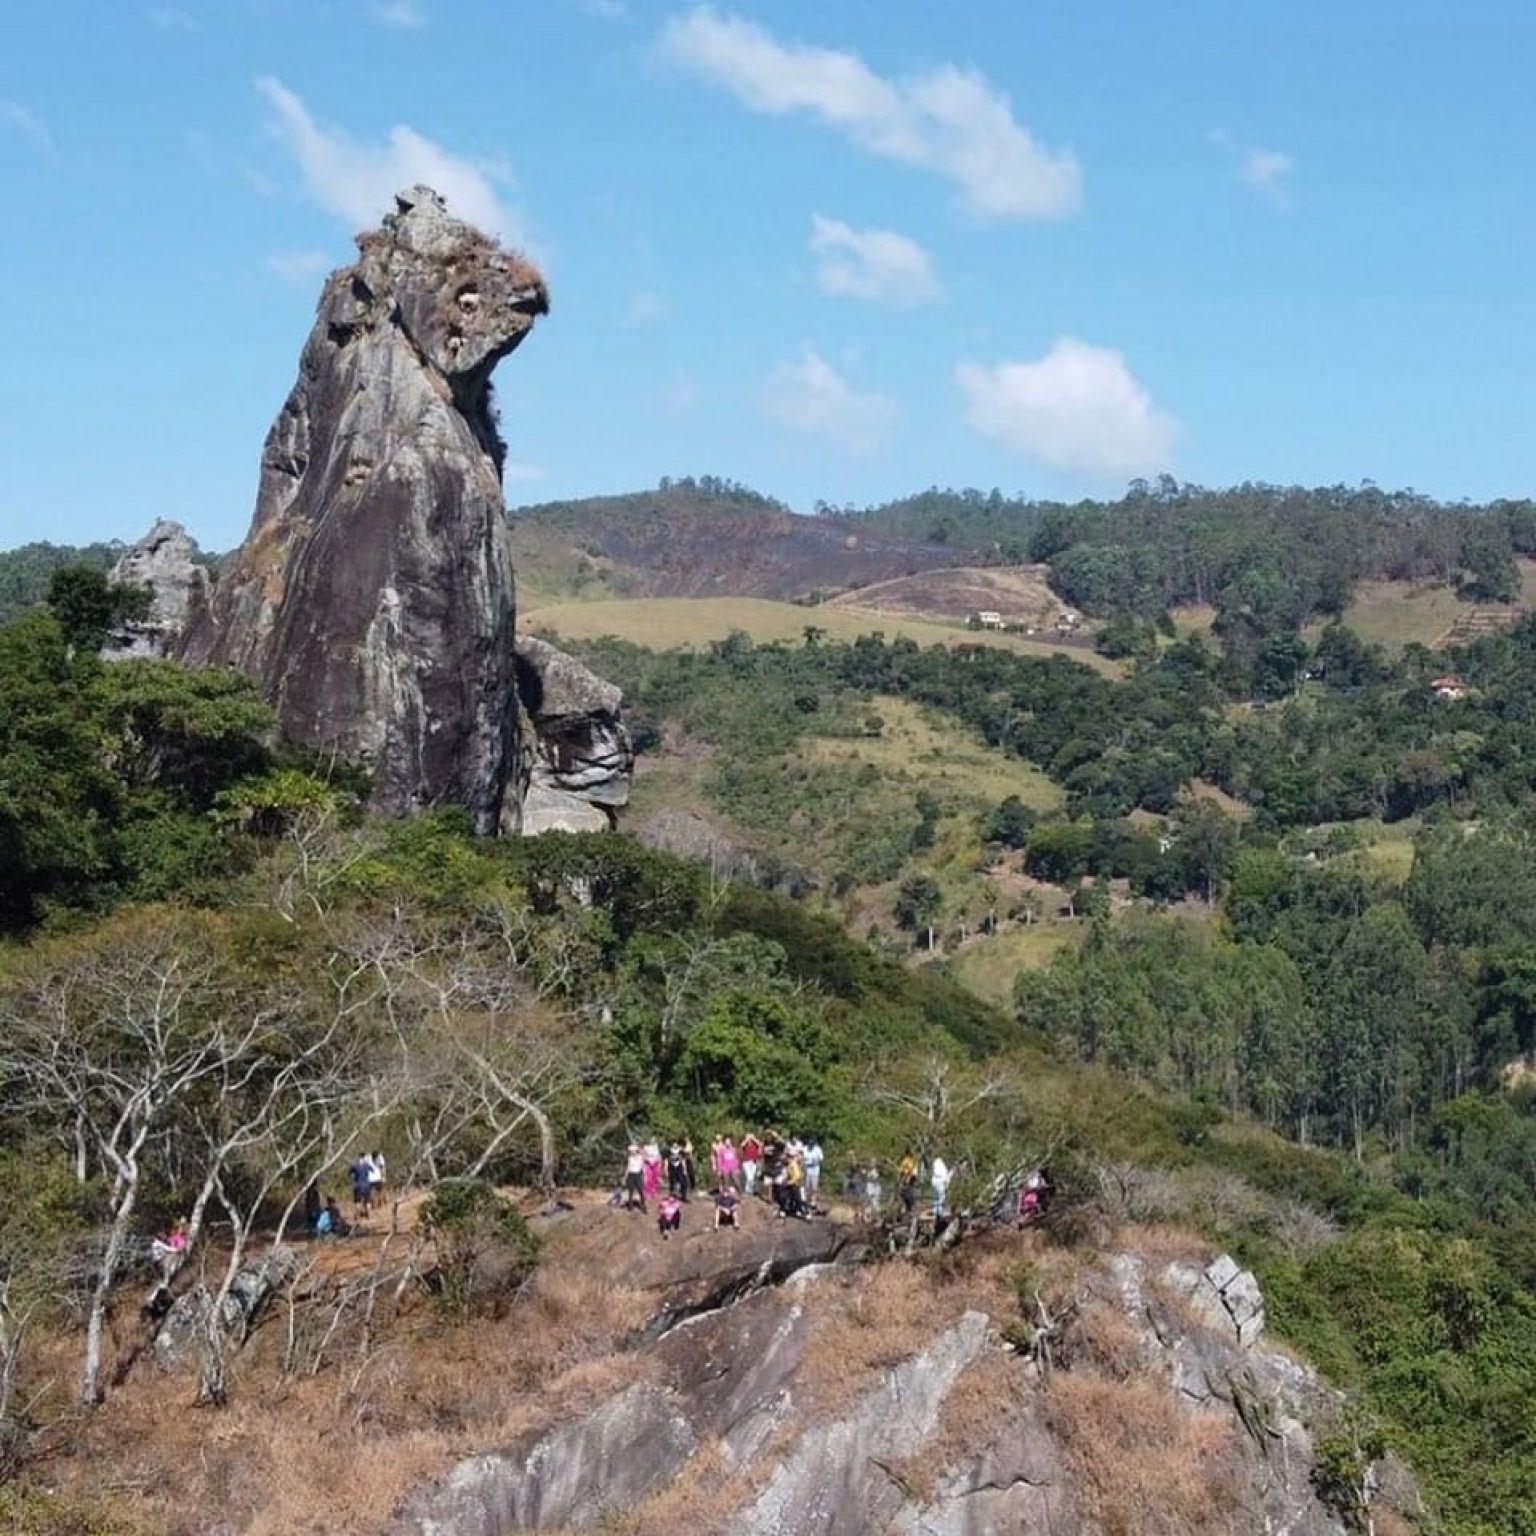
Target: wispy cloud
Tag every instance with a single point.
(406, 14)
(299, 267)
(23, 120)
(357, 182)
(950, 121)
(645, 307)
(171, 18)
(515, 473)
(809, 396)
(1078, 408)
(1269, 171)
(873, 264)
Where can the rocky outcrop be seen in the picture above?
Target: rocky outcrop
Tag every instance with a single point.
(165, 561)
(1167, 1410)
(581, 753)
(185, 1326)
(373, 597)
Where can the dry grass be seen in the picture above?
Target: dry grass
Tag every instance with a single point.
(991, 1393)
(885, 1315)
(674, 623)
(703, 1497)
(945, 758)
(1142, 1465)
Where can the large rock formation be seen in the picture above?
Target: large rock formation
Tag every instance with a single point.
(373, 597)
(166, 561)
(581, 753)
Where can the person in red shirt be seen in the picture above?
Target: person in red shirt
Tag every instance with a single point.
(751, 1161)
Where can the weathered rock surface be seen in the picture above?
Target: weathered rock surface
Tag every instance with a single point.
(721, 1378)
(835, 1478)
(738, 1379)
(373, 597)
(177, 1342)
(165, 561)
(581, 747)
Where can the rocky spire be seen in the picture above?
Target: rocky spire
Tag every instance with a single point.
(373, 596)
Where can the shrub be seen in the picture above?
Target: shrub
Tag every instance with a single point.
(485, 1251)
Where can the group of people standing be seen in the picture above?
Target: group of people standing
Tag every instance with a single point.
(786, 1170)
(863, 1185)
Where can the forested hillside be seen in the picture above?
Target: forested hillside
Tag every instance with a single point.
(1264, 555)
(1318, 1059)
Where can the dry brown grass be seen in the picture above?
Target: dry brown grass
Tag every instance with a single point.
(884, 1315)
(702, 1498)
(1142, 1465)
(990, 1393)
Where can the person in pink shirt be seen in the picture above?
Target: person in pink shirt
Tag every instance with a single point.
(651, 1169)
(669, 1216)
(169, 1250)
(730, 1163)
(751, 1161)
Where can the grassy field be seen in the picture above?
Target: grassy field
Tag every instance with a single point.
(1395, 614)
(945, 758)
(674, 623)
(987, 966)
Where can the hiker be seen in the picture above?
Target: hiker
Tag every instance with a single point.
(730, 1163)
(726, 1201)
(689, 1167)
(906, 1182)
(751, 1161)
(669, 1216)
(168, 1251)
(793, 1187)
(634, 1178)
(813, 1159)
(650, 1169)
(1032, 1197)
(939, 1178)
(331, 1223)
(872, 1190)
(774, 1153)
(376, 1176)
(677, 1171)
(312, 1205)
(361, 1173)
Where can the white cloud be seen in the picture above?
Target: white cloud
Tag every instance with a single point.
(808, 395)
(1269, 172)
(874, 264)
(950, 121)
(169, 18)
(399, 13)
(357, 182)
(645, 307)
(299, 267)
(27, 123)
(1077, 408)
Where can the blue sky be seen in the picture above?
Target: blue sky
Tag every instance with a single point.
(838, 250)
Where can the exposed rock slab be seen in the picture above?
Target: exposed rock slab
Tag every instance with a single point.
(165, 561)
(834, 1480)
(373, 597)
(581, 746)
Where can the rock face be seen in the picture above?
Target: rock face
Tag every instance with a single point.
(373, 597)
(165, 561)
(1168, 1411)
(581, 752)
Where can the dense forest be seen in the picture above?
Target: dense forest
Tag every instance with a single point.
(1263, 555)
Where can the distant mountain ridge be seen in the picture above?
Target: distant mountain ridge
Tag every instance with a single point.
(706, 538)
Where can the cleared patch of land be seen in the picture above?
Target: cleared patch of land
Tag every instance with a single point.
(944, 758)
(1395, 614)
(678, 623)
(988, 965)
(1020, 594)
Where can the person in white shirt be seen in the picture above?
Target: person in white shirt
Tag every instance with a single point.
(812, 1160)
(939, 1179)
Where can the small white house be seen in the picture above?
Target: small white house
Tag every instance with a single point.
(989, 620)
